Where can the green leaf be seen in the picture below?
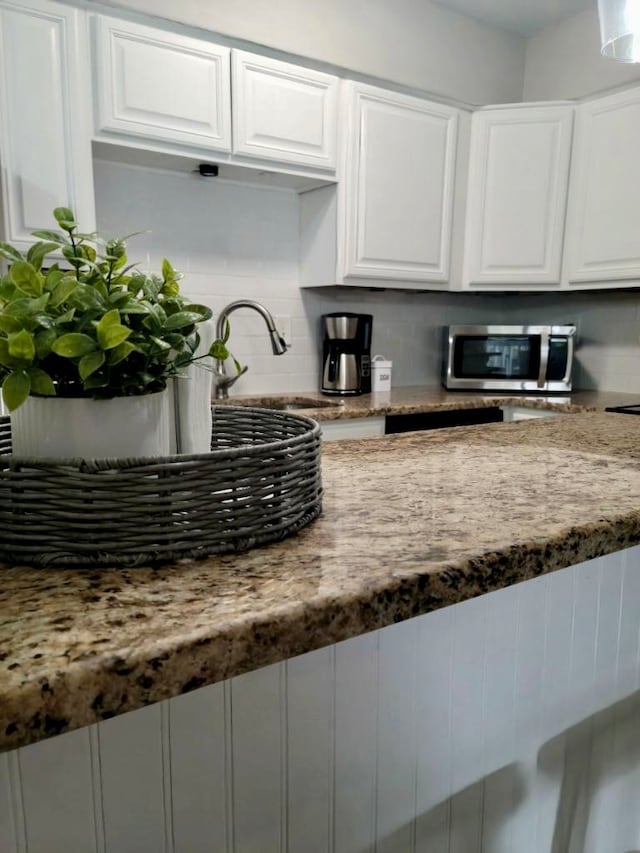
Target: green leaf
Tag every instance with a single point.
(44, 342)
(168, 272)
(9, 252)
(26, 278)
(25, 307)
(135, 308)
(41, 382)
(74, 344)
(54, 277)
(65, 218)
(45, 321)
(112, 336)
(67, 317)
(52, 236)
(118, 298)
(9, 324)
(219, 350)
(182, 319)
(38, 252)
(183, 360)
(119, 353)
(63, 290)
(155, 319)
(93, 381)
(204, 312)
(5, 358)
(89, 363)
(22, 345)
(163, 346)
(111, 318)
(86, 298)
(16, 388)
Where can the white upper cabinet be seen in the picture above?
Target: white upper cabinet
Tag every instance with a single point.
(517, 195)
(161, 86)
(399, 184)
(603, 233)
(45, 136)
(283, 112)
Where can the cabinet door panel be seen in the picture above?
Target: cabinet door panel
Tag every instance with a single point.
(161, 86)
(401, 187)
(283, 112)
(45, 148)
(518, 180)
(602, 239)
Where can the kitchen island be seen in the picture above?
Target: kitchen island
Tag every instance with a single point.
(411, 525)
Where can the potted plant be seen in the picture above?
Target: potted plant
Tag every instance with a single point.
(94, 328)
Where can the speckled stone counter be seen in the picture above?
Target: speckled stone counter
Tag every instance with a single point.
(420, 398)
(411, 523)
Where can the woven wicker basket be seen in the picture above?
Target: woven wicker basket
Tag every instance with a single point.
(260, 483)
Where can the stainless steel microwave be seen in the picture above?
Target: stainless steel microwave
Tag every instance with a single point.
(508, 358)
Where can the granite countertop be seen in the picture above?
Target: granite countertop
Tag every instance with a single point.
(420, 398)
(411, 523)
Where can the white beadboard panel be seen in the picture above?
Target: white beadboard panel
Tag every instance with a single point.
(355, 744)
(529, 664)
(310, 706)
(12, 830)
(627, 673)
(396, 738)
(501, 790)
(132, 773)
(96, 788)
(505, 724)
(57, 794)
(583, 651)
(434, 662)
(558, 627)
(199, 783)
(257, 705)
(466, 710)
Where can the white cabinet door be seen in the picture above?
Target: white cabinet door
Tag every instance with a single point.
(164, 87)
(517, 194)
(399, 186)
(45, 137)
(283, 112)
(603, 236)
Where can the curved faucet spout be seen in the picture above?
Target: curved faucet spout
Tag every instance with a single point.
(278, 344)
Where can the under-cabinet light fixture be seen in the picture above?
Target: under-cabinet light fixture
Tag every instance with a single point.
(620, 29)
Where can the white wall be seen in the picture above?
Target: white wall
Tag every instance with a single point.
(235, 241)
(564, 61)
(411, 42)
(608, 355)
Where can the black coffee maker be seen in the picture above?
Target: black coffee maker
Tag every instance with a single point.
(346, 354)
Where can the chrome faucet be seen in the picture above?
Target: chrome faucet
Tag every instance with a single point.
(278, 344)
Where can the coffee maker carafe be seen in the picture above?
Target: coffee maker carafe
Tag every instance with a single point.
(346, 353)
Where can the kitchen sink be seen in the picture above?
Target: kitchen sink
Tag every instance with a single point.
(284, 404)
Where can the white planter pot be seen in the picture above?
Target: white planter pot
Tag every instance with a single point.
(67, 428)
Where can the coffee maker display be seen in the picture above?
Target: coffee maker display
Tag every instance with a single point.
(346, 354)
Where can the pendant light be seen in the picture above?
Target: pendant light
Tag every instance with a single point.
(620, 29)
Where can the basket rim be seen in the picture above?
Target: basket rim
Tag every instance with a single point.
(9, 461)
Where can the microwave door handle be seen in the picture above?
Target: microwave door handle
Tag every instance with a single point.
(544, 359)
(570, 346)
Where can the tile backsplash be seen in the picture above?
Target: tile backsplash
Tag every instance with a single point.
(233, 241)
